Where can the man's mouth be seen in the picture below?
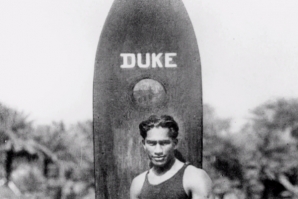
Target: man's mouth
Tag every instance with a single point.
(160, 158)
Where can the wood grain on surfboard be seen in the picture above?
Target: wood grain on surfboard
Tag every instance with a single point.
(147, 62)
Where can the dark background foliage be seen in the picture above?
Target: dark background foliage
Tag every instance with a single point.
(54, 161)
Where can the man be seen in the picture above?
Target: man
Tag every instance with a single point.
(168, 178)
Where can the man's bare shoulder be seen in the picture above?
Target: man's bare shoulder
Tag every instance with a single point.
(197, 181)
(140, 178)
(136, 185)
(192, 170)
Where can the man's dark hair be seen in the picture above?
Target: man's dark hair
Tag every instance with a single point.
(164, 121)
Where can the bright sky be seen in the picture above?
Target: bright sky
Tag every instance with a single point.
(249, 54)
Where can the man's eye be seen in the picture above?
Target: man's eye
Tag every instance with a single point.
(165, 143)
(151, 143)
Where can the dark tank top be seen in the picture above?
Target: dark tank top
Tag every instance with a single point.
(169, 189)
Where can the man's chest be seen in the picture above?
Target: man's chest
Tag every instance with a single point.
(158, 179)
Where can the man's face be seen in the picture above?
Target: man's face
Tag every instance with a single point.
(159, 146)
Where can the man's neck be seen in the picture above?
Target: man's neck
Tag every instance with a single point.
(162, 170)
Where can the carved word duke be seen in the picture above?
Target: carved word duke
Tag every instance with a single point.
(154, 60)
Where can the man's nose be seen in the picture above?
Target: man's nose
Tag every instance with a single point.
(158, 149)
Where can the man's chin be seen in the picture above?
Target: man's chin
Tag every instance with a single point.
(158, 163)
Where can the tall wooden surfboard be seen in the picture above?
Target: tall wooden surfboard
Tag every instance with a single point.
(147, 62)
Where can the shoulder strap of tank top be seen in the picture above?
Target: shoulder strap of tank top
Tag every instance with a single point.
(186, 164)
(146, 181)
(181, 171)
(147, 173)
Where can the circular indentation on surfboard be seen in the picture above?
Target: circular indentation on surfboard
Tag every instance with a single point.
(148, 93)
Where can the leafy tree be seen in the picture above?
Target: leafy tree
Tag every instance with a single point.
(80, 145)
(15, 139)
(73, 147)
(70, 149)
(270, 150)
(54, 138)
(221, 155)
(18, 147)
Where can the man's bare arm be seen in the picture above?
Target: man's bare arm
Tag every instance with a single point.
(197, 183)
(136, 186)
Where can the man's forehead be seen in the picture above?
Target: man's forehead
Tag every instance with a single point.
(158, 132)
(157, 139)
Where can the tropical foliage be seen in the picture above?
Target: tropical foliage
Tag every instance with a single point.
(54, 161)
(35, 158)
(260, 161)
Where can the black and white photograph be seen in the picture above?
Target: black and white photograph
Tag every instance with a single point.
(148, 99)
